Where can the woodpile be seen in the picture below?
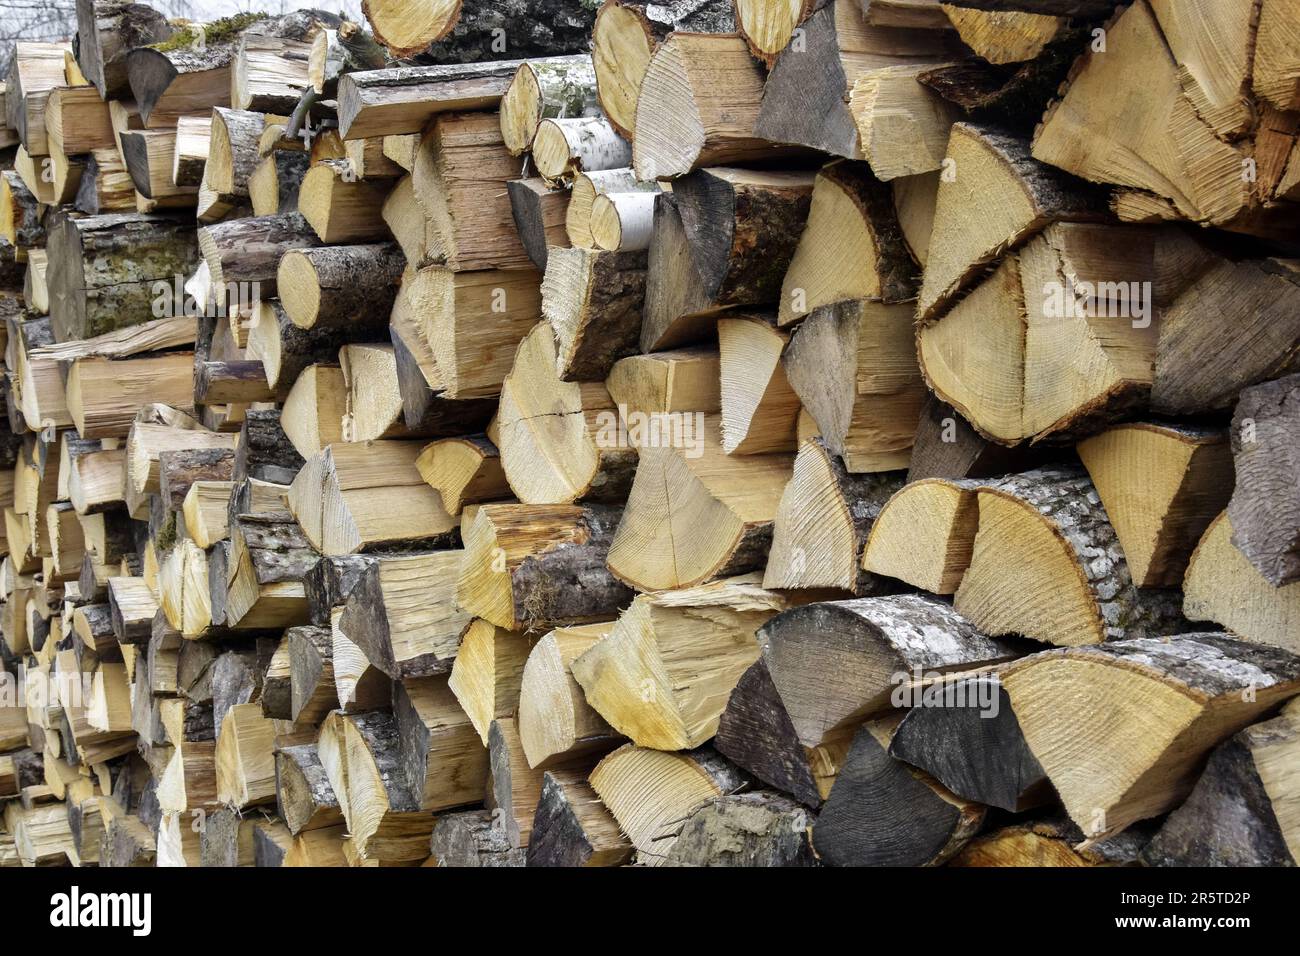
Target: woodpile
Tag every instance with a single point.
(725, 433)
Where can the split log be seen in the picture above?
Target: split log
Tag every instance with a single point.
(148, 155)
(650, 793)
(539, 212)
(133, 607)
(760, 411)
(276, 181)
(104, 395)
(106, 33)
(20, 216)
(403, 99)
(34, 70)
(557, 452)
(192, 148)
(546, 89)
(269, 556)
(77, 122)
(441, 754)
(852, 247)
(566, 146)
(329, 583)
(147, 441)
(925, 533)
(486, 674)
(205, 509)
(946, 446)
(245, 758)
(769, 27)
(311, 674)
(965, 735)
(263, 453)
(677, 310)
(1264, 508)
(1053, 841)
(304, 797)
(340, 207)
(686, 125)
(401, 612)
(572, 827)
(743, 227)
(103, 270)
(625, 37)
(821, 529)
(680, 380)
(464, 471)
(533, 566)
(473, 838)
(338, 285)
(1222, 586)
(555, 721)
(663, 673)
(881, 812)
(903, 126)
(758, 829)
(312, 414)
(719, 509)
(515, 789)
(1161, 486)
(593, 302)
(1002, 37)
(1235, 815)
(1060, 576)
(180, 469)
(790, 728)
(1195, 691)
(806, 99)
(340, 483)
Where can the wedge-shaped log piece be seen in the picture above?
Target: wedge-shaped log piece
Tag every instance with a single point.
(558, 440)
(1240, 813)
(1265, 507)
(760, 411)
(334, 499)
(464, 471)
(965, 735)
(664, 672)
(572, 827)
(651, 792)
(902, 125)
(472, 838)
(851, 248)
(1004, 36)
(1224, 587)
(246, 758)
(593, 301)
(555, 721)
(679, 380)
(718, 509)
(533, 566)
(882, 812)
(1168, 703)
(269, 557)
(1161, 485)
(539, 212)
(924, 534)
(441, 754)
(487, 672)
(823, 524)
(1047, 564)
(853, 367)
(304, 798)
(402, 613)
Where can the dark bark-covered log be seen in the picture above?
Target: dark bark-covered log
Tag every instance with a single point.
(759, 829)
(677, 310)
(401, 99)
(243, 255)
(555, 566)
(572, 827)
(226, 839)
(331, 581)
(442, 759)
(103, 270)
(269, 556)
(218, 578)
(311, 653)
(264, 452)
(127, 842)
(1236, 814)
(23, 223)
(539, 212)
(593, 300)
(107, 32)
(1265, 506)
(277, 677)
(427, 411)
(286, 350)
(236, 679)
(240, 383)
(742, 227)
(474, 838)
(273, 187)
(351, 286)
(304, 797)
(466, 33)
(880, 812)
(178, 470)
(966, 736)
(133, 608)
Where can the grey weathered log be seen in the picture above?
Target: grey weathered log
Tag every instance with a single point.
(572, 827)
(304, 797)
(1265, 505)
(538, 211)
(243, 255)
(427, 411)
(947, 447)
(106, 33)
(218, 581)
(311, 674)
(331, 581)
(178, 470)
(264, 452)
(756, 829)
(236, 679)
(473, 838)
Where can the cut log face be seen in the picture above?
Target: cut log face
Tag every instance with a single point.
(851, 248)
(768, 27)
(924, 534)
(546, 89)
(1265, 510)
(853, 367)
(1239, 813)
(651, 814)
(555, 721)
(1222, 586)
(663, 673)
(1161, 485)
(718, 508)
(1172, 700)
(680, 380)
(760, 410)
(881, 812)
(1004, 36)
(552, 434)
(903, 127)
(593, 302)
(823, 523)
(1052, 841)
(965, 735)
(1047, 564)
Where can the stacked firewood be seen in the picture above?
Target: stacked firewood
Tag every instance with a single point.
(723, 432)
